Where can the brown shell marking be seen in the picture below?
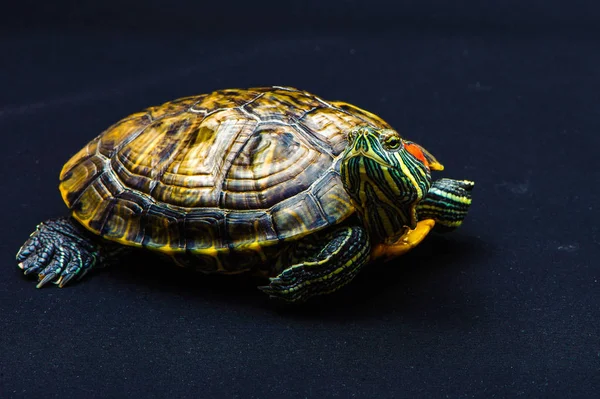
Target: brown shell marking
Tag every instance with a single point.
(231, 170)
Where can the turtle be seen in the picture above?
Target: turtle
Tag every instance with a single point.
(273, 181)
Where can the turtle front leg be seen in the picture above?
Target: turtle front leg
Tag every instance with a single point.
(447, 202)
(326, 262)
(59, 250)
(443, 209)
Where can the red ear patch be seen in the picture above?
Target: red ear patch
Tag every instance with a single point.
(415, 150)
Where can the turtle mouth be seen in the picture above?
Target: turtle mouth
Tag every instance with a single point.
(358, 153)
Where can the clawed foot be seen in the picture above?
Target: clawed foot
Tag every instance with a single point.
(335, 259)
(57, 252)
(289, 285)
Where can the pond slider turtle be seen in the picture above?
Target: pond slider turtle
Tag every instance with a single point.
(274, 181)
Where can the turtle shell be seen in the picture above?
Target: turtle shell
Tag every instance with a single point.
(224, 171)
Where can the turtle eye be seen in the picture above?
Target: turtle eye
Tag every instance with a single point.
(392, 142)
(352, 136)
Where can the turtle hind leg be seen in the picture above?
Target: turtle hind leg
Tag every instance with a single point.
(447, 202)
(326, 262)
(58, 251)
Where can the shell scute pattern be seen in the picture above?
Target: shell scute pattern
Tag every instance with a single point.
(125, 219)
(227, 99)
(282, 105)
(122, 132)
(360, 113)
(214, 173)
(274, 165)
(246, 229)
(299, 215)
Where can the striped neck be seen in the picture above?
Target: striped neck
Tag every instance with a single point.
(385, 182)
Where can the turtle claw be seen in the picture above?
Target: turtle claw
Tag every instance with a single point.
(57, 252)
(46, 279)
(276, 281)
(64, 279)
(275, 284)
(29, 270)
(284, 285)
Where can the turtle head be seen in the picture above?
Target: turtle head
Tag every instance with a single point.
(386, 176)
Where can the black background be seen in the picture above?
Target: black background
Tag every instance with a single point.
(507, 95)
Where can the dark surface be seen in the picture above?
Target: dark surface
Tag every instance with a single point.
(508, 306)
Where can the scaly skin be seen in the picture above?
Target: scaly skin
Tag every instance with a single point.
(58, 251)
(336, 259)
